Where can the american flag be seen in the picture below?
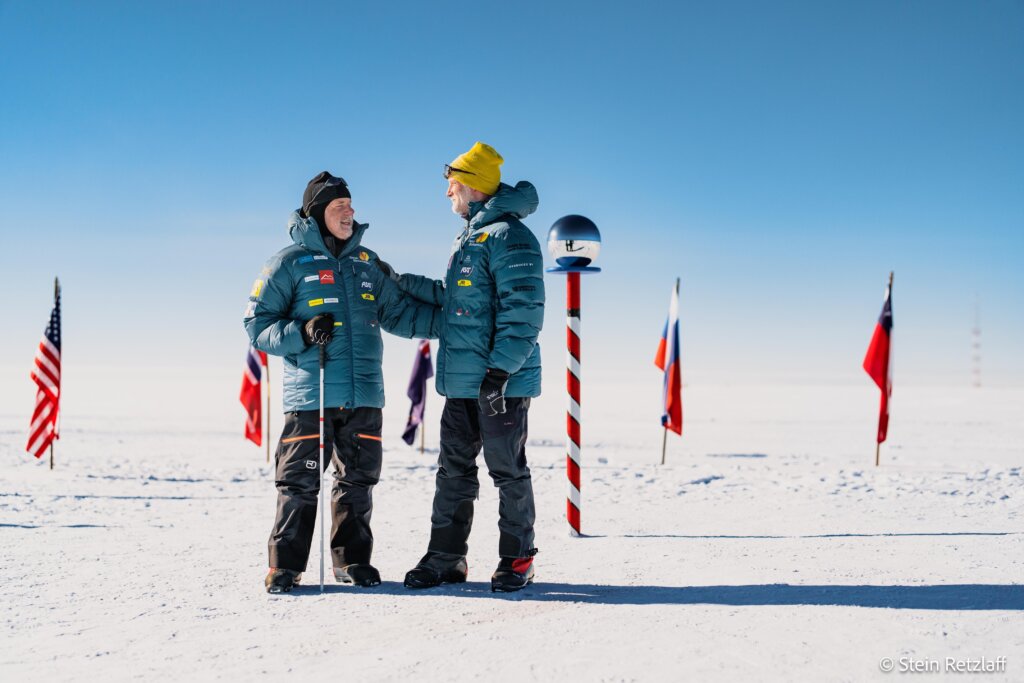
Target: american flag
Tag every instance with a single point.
(46, 375)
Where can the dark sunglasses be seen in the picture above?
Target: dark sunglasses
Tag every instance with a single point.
(332, 182)
(448, 170)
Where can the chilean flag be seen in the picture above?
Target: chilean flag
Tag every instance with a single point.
(667, 359)
(878, 361)
(250, 395)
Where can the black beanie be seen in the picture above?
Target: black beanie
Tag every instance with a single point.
(323, 189)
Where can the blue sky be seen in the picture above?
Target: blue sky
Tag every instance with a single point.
(780, 158)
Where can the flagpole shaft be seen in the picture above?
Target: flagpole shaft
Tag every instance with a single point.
(320, 473)
(573, 438)
(423, 436)
(878, 448)
(664, 443)
(267, 373)
(51, 455)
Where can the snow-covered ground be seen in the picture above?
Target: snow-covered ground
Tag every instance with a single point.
(769, 547)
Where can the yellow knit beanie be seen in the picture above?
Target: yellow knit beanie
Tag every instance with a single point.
(478, 168)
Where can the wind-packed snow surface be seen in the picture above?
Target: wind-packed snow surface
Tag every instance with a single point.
(768, 547)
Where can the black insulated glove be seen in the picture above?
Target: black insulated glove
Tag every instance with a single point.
(318, 330)
(492, 392)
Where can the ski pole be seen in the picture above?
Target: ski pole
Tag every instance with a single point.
(320, 473)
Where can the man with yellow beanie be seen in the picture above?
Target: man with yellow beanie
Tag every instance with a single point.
(488, 368)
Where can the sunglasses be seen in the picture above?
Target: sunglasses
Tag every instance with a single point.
(448, 170)
(332, 182)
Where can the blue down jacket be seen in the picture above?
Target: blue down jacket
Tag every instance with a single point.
(493, 298)
(304, 280)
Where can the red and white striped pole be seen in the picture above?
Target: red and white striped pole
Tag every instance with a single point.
(572, 418)
(574, 242)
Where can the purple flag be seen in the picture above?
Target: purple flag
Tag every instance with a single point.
(422, 370)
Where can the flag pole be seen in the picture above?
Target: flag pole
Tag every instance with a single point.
(267, 373)
(423, 436)
(664, 442)
(878, 444)
(56, 293)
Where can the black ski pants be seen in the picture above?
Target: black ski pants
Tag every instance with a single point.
(352, 443)
(464, 430)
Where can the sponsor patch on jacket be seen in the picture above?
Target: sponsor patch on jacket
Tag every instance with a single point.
(465, 283)
(257, 287)
(521, 265)
(368, 296)
(321, 302)
(467, 270)
(326, 277)
(250, 309)
(309, 258)
(363, 256)
(311, 278)
(524, 288)
(366, 285)
(482, 238)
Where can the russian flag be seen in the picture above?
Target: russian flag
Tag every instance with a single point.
(667, 359)
(878, 360)
(252, 376)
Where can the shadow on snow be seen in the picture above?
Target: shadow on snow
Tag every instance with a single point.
(939, 597)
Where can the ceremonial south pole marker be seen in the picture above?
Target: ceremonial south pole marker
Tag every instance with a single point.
(574, 242)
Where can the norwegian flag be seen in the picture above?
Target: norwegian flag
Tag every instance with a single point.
(422, 370)
(250, 395)
(667, 359)
(878, 360)
(46, 375)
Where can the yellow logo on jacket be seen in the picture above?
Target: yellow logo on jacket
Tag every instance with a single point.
(465, 283)
(482, 238)
(257, 287)
(363, 256)
(368, 296)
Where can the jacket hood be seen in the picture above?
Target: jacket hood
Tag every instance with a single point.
(306, 233)
(519, 201)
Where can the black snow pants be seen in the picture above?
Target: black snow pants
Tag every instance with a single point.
(352, 442)
(464, 429)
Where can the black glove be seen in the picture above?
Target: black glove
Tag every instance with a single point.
(319, 329)
(387, 270)
(492, 392)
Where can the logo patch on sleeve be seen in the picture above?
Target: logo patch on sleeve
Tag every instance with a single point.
(315, 302)
(257, 287)
(482, 238)
(327, 277)
(250, 310)
(363, 256)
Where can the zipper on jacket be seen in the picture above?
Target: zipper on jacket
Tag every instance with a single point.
(351, 339)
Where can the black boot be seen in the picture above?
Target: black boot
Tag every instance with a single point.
(513, 573)
(281, 580)
(364, 575)
(437, 568)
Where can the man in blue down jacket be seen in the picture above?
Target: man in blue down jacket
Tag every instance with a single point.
(488, 368)
(325, 289)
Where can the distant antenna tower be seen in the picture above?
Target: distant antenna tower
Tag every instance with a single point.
(976, 346)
